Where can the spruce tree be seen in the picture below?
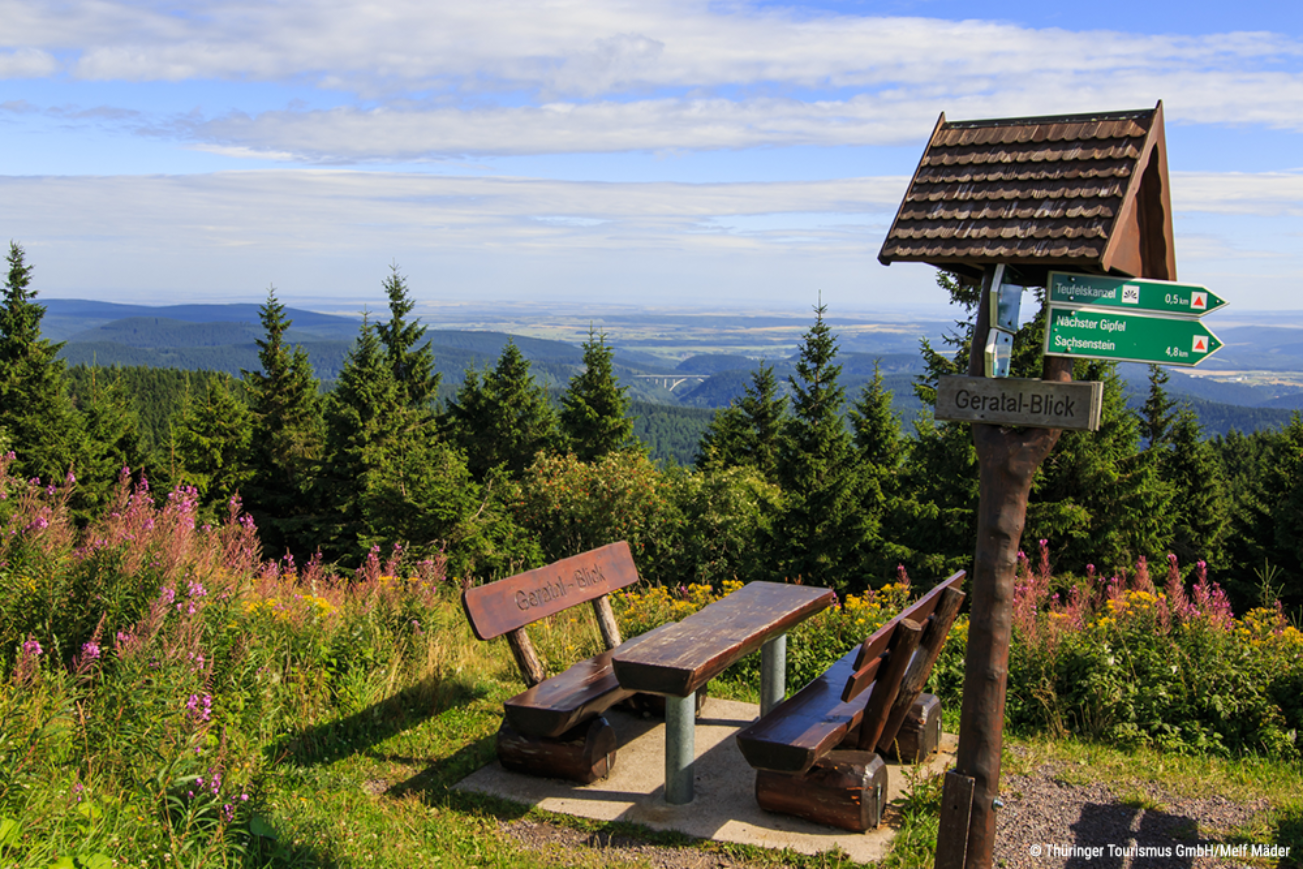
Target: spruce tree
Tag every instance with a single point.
(1157, 414)
(933, 520)
(822, 528)
(412, 365)
(287, 443)
(1200, 495)
(749, 431)
(113, 439)
(212, 438)
(1097, 497)
(876, 426)
(503, 420)
(1267, 537)
(38, 420)
(726, 442)
(364, 414)
(595, 408)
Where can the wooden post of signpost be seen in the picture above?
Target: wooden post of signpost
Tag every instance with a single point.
(1007, 461)
(1111, 245)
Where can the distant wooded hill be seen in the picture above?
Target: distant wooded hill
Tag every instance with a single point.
(223, 338)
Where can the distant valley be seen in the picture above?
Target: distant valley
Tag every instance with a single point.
(673, 358)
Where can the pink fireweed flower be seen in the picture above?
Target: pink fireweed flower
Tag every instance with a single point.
(200, 706)
(90, 651)
(32, 648)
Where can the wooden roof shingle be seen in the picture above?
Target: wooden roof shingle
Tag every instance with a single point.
(1084, 192)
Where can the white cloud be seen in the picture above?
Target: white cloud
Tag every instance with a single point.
(586, 47)
(329, 233)
(26, 62)
(1266, 194)
(419, 80)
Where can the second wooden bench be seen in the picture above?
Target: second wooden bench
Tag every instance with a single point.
(556, 726)
(869, 699)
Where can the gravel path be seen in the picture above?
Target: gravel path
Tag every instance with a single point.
(1047, 823)
(1071, 825)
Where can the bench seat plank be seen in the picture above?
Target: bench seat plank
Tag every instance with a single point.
(556, 705)
(807, 725)
(587, 689)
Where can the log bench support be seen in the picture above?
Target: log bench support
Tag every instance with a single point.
(845, 789)
(583, 754)
(919, 735)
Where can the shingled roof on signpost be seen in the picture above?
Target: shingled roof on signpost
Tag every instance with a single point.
(1086, 193)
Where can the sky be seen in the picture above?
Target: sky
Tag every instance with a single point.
(724, 155)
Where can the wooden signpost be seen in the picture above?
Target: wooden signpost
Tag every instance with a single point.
(1104, 252)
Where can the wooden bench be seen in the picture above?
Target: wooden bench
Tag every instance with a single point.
(556, 727)
(869, 699)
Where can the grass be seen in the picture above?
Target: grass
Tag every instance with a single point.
(383, 795)
(146, 658)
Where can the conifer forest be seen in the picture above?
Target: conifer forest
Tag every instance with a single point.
(794, 479)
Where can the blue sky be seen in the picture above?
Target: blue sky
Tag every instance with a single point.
(718, 154)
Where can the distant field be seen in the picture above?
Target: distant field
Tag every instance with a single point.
(1255, 381)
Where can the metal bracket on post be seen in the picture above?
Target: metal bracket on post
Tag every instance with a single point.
(1006, 304)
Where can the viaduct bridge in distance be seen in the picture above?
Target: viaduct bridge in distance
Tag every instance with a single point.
(672, 381)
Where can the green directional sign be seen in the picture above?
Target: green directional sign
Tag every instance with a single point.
(1128, 337)
(1134, 294)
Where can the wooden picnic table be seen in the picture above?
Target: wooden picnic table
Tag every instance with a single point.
(683, 657)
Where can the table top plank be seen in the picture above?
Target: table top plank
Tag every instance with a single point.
(684, 656)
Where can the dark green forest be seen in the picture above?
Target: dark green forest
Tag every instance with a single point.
(808, 470)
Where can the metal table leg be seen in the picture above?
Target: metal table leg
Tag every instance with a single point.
(773, 673)
(680, 748)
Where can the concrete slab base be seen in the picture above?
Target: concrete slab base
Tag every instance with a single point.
(724, 808)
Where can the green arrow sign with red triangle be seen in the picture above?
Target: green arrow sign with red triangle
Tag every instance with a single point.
(1133, 294)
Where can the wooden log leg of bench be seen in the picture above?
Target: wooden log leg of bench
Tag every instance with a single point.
(844, 789)
(680, 748)
(583, 754)
(773, 673)
(920, 733)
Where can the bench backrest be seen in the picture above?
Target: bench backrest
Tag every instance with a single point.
(872, 649)
(509, 604)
